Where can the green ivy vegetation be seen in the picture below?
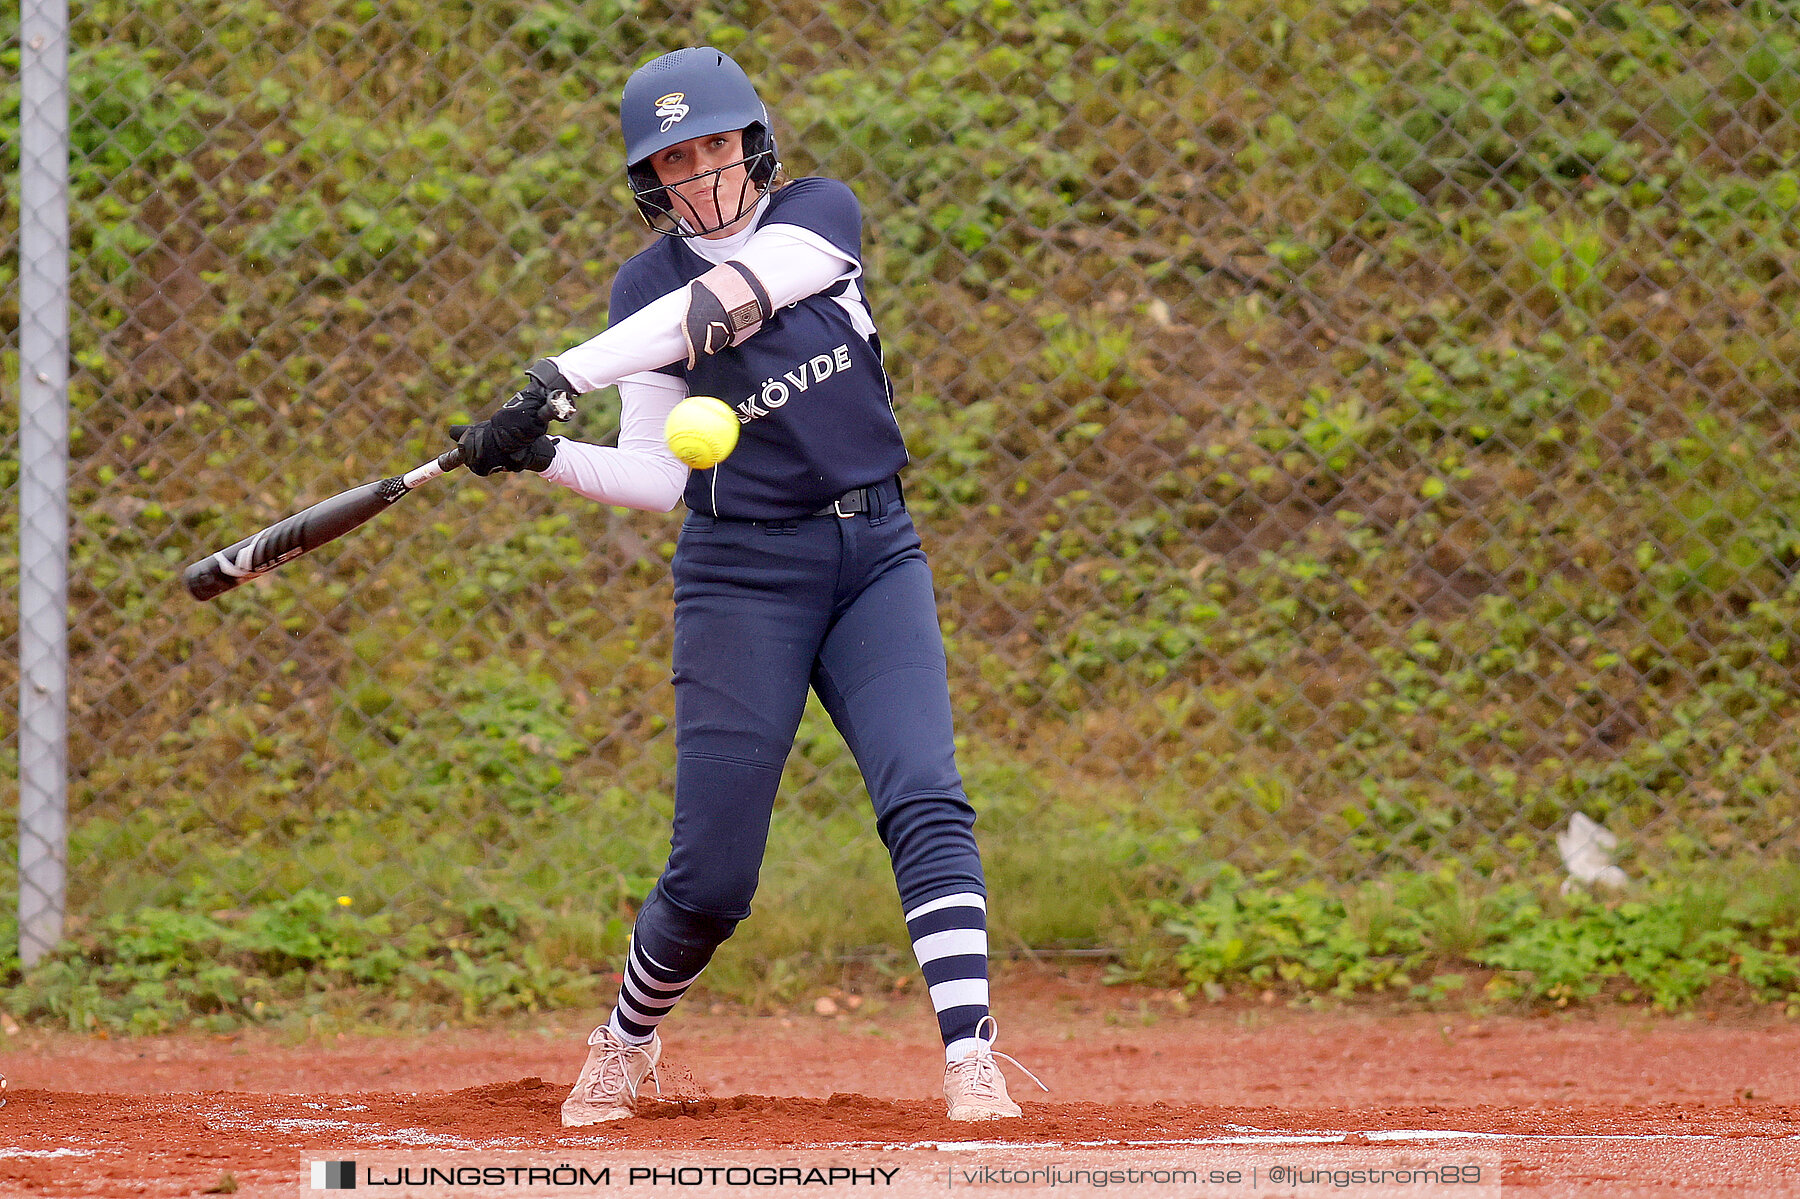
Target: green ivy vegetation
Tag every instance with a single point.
(312, 962)
(1347, 435)
(1437, 938)
(299, 962)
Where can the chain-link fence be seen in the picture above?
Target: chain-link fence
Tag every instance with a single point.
(1348, 435)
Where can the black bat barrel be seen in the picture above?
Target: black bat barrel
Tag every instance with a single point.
(300, 533)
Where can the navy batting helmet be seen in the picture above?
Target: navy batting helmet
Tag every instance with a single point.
(682, 95)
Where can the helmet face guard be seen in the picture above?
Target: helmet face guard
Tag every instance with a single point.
(683, 95)
(673, 218)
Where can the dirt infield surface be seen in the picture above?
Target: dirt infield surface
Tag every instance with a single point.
(1148, 1096)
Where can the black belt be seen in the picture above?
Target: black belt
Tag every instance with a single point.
(873, 499)
(860, 499)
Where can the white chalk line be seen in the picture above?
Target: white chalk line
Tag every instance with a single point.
(1262, 1137)
(1248, 1138)
(1238, 1135)
(417, 1137)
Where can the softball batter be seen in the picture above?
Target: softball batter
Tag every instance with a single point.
(797, 566)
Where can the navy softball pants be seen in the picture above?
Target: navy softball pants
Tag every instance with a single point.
(764, 610)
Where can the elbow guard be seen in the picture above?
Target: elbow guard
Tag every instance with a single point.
(725, 306)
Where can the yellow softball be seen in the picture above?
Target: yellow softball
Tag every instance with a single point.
(701, 431)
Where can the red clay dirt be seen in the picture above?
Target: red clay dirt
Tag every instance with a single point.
(1606, 1103)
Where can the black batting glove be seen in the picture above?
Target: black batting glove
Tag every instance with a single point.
(524, 418)
(517, 437)
(485, 452)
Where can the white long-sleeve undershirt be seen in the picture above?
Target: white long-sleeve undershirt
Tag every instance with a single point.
(640, 472)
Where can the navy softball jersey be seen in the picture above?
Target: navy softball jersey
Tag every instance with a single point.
(814, 403)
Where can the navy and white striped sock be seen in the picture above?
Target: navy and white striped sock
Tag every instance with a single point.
(949, 937)
(650, 989)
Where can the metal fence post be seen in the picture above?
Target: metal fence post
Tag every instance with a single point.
(43, 473)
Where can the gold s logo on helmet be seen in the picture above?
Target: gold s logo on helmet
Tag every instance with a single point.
(671, 109)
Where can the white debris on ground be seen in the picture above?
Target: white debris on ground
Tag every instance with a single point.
(1587, 849)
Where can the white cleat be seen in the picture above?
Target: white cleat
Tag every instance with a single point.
(609, 1082)
(973, 1086)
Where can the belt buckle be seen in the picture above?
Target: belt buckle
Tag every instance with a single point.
(837, 506)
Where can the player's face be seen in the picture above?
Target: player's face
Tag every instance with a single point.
(708, 182)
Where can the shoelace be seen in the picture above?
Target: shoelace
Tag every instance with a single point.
(981, 1067)
(613, 1068)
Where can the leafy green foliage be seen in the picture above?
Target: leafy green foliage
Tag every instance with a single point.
(313, 961)
(1421, 936)
(305, 957)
